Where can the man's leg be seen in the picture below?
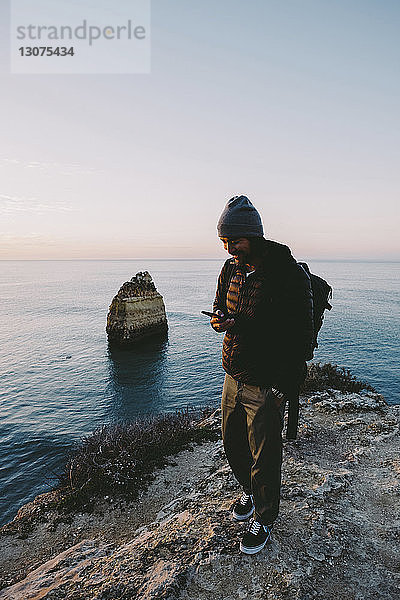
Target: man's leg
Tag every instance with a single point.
(234, 433)
(264, 412)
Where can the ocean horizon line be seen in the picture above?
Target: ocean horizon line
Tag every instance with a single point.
(163, 259)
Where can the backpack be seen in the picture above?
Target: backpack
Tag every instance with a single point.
(322, 293)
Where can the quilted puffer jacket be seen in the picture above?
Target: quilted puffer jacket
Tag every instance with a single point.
(273, 311)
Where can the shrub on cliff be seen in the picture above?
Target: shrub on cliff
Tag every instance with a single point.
(120, 458)
(327, 376)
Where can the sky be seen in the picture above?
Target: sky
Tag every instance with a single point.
(292, 103)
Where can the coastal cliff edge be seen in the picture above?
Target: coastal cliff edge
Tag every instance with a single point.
(337, 534)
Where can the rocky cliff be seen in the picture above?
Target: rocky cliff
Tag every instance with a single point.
(137, 311)
(337, 535)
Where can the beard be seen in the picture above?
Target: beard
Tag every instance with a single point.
(240, 259)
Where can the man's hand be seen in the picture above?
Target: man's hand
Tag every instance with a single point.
(219, 324)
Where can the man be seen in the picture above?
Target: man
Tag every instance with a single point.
(264, 303)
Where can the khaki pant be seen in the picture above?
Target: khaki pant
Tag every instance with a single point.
(252, 422)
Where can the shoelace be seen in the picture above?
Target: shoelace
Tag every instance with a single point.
(244, 499)
(254, 527)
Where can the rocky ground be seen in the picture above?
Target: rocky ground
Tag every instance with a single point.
(337, 535)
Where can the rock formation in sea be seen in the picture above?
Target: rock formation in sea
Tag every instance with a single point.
(337, 535)
(137, 311)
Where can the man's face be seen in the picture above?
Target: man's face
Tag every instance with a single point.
(238, 247)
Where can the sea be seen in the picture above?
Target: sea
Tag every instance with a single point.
(60, 381)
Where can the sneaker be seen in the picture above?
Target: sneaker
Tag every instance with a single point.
(243, 508)
(255, 537)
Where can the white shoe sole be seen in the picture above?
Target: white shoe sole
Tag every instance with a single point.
(242, 517)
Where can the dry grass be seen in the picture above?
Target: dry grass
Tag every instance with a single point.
(327, 376)
(120, 459)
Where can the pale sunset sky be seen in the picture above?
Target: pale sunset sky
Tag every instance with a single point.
(294, 103)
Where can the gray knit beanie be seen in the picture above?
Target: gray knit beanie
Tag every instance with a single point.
(240, 219)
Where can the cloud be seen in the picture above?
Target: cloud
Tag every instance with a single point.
(10, 238)
(50, 167)
(12, 241)
(26, 246)
(15, 204)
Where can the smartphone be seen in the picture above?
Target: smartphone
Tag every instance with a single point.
(212, 314)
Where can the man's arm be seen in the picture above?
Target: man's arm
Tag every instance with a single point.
(219, 306)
